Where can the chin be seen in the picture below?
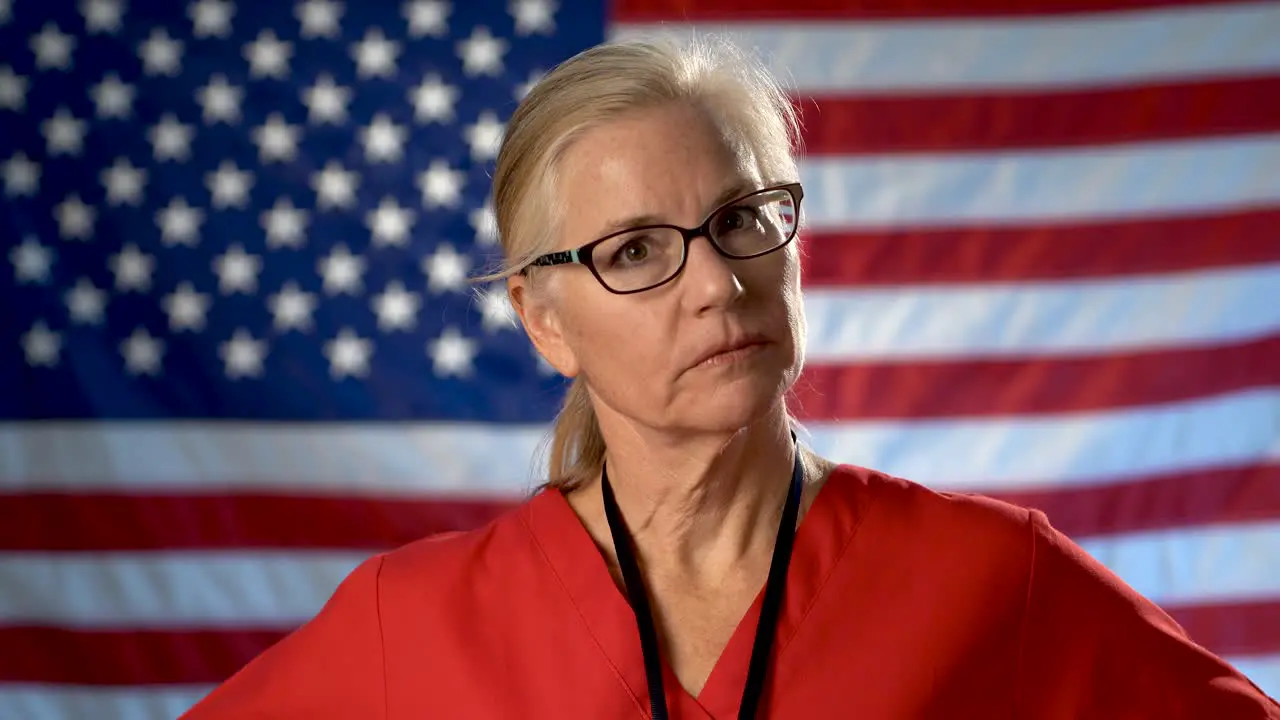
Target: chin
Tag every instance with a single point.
(733, 405)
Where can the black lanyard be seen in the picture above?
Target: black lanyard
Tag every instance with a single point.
(773, 590)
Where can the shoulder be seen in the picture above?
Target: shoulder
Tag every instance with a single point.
(438, 563)
(893, 503)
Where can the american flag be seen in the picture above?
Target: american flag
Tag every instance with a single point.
(240, 352)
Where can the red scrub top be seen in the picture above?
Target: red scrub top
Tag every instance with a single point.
(901, 602)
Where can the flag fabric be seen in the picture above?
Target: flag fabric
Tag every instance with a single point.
(240, 352)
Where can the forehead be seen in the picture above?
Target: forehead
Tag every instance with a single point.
(668, 164)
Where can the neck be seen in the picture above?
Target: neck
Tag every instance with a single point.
(696, 507)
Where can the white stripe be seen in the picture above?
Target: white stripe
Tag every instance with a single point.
(1006, 53)
(412, 460)
(284, 589)
(1263, 670)
(169, 590)
(71, 702)
(1077, 449)
(992, 188)
(1114, 314)
(1195, 565)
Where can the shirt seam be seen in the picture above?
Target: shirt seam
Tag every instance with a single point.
(617, 673)
(1026, 615)
(382, 638)
(822, 584)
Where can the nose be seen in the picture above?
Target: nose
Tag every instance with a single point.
(709, 281)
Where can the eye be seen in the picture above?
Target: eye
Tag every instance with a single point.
(635, 250)
(738, 218)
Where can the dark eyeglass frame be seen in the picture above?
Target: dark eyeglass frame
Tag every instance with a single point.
(582, 255)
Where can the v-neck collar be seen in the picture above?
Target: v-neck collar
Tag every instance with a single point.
(824, 533)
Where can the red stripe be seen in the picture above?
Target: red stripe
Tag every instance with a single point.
(106, 521)
(1005, 121)
(1184, 499)
(1041, 252)
(229, 522)
(637, 11)
(1019, 386)
(197, 657)
(127, 657)
(1233, 629)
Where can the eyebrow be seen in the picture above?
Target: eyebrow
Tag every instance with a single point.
(736, 190)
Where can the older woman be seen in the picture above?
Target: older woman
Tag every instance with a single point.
(688, 557)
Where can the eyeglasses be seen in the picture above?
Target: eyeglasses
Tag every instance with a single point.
(642, 258)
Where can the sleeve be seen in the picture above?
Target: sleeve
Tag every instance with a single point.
(1093, 647)
(332, 666)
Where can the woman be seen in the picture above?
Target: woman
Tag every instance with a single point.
(689, 559)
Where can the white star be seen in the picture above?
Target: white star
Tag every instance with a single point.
(220, 100)
(161, 54)
(496, 312)
(52, 48)
(284, 224)
(375, 55)
(522, 89)
(485, 136)
(102, 16)
(21, 175)
(170, 139)
(132, 269)
(187, 309)
(211, 18)
(427, 17)
(237, 271)
(441, 185)
(112, 98)
(292, 308)
(268, 56)
(75, 219)
(86, 303)
(451, 353)
(485, 223)
(341, 271)
(390, 223)
(482, 53)
(229, 186)
(446, 269)
(397, 309)
(179, 223)
(533, 16)
(13, 90)
(243, 355)
(142, 353)
(32, 261)
(277, 139)
(124, 182)
(335, 187)
(383, 140)
(326, 102)
(319, 18)
(63, 133)
(348, 354)
(41, 345)
(433, 100)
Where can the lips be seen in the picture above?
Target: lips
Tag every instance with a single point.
(741, 342)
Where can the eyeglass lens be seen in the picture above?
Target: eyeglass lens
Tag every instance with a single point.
(646, 257)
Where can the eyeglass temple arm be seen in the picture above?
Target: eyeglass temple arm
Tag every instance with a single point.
(557, 258)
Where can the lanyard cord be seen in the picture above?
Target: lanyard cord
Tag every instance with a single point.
(763, 645)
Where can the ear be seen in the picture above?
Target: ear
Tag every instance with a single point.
(543, 324)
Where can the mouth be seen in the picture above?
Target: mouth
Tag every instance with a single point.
(732, 351)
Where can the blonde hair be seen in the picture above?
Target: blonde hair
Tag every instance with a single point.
(601, 84)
